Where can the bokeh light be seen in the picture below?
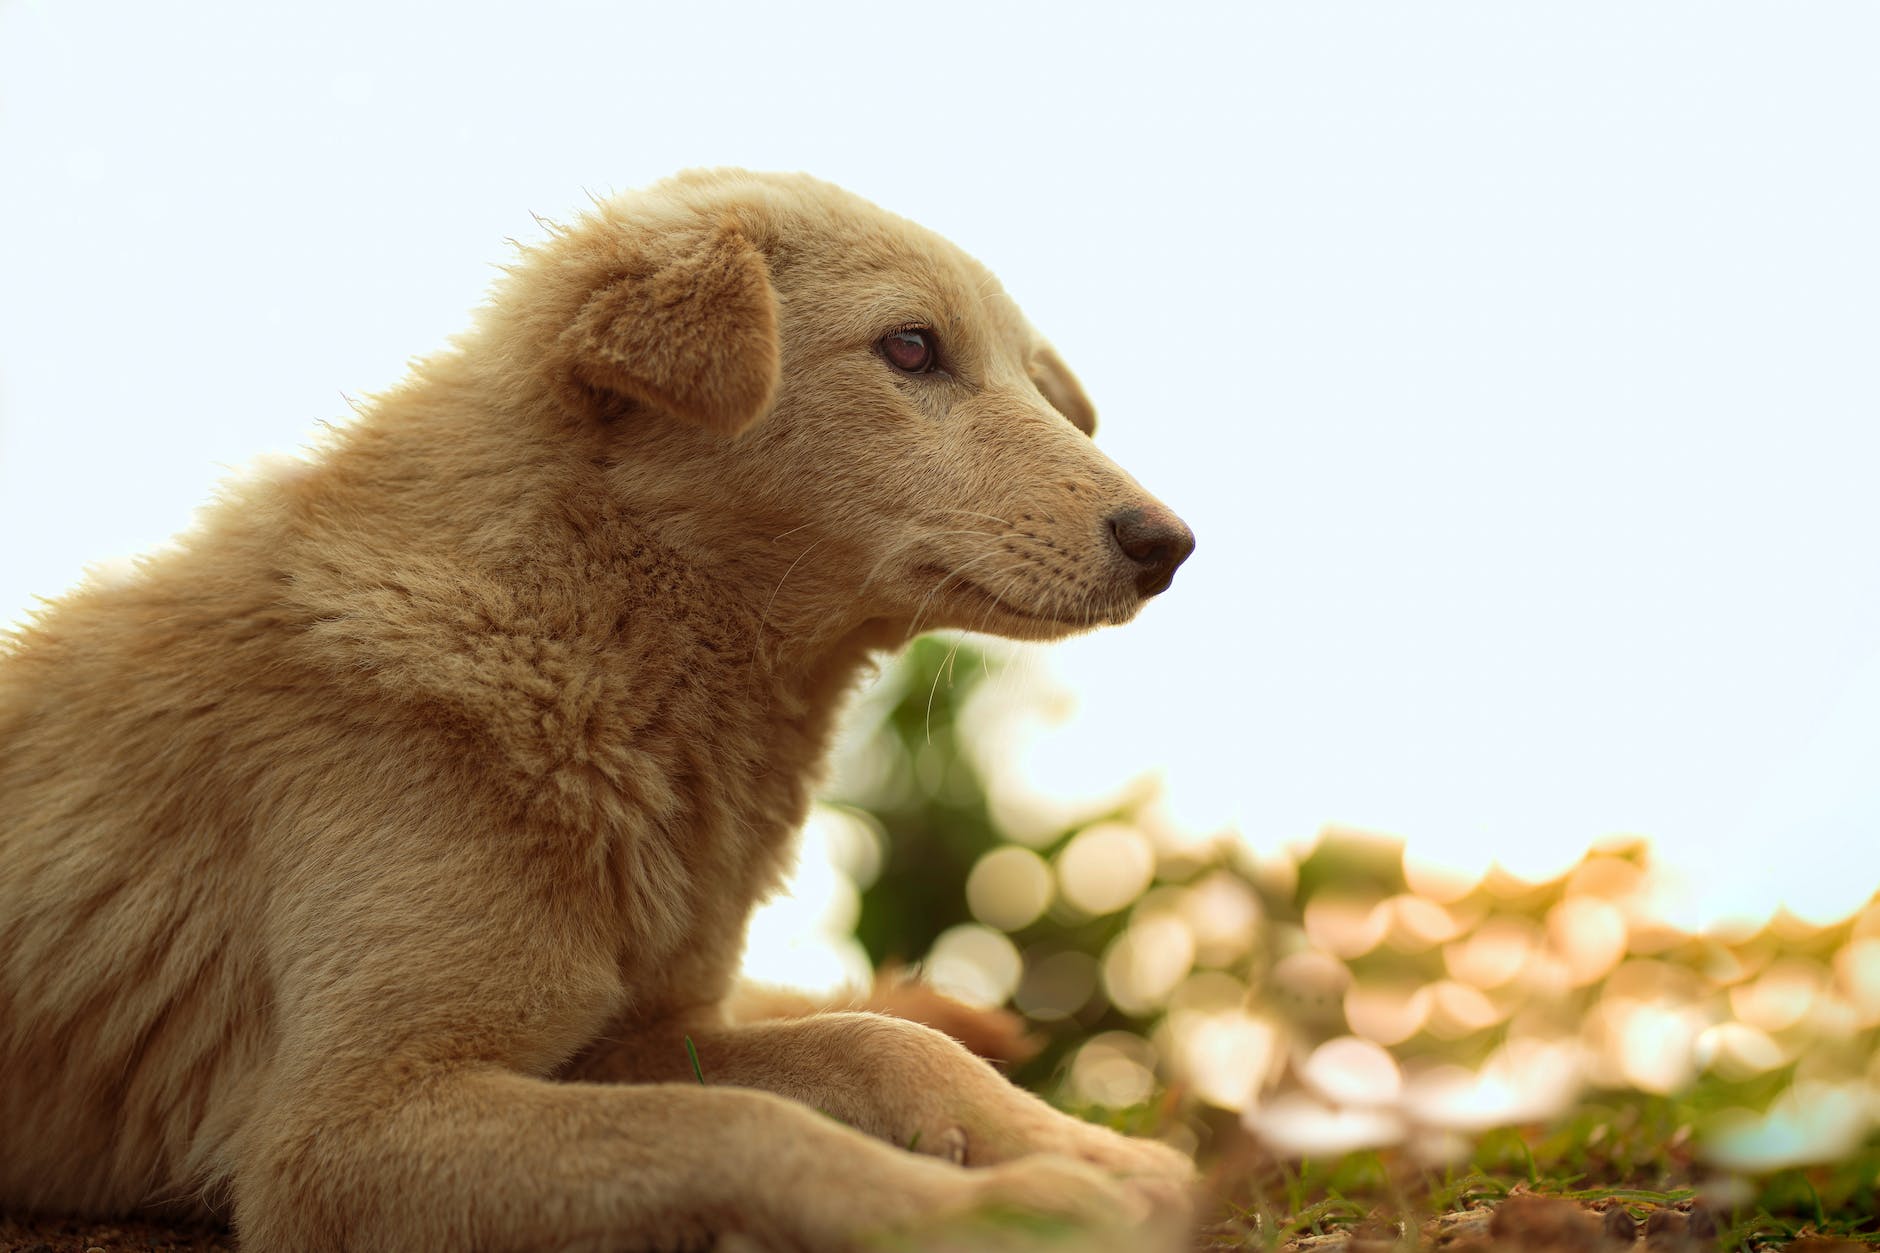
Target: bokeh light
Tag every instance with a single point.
(1226, 1055)
(976, 964)
(1300, 1125)
(1349, 1071)
(1589, 935)
(1223, 914)
(1736, 1051)
(802, 936)
(1493, 954)
(1344, 925)
(1523, 1081)
(1857, 967)
(1009, 888)
(1143, 965)
(1115, 1069)
(1781, 996)
(1105, 867)
(1418, 923)
(1810, 1122)
(1341, 993)
(1056, 985)
(1388, 1013)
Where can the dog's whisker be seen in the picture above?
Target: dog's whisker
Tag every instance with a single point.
(1018, 580)
(764, 618)
(921, 609)
(914, 622)
(944, 667)
(994, 602)
(981, 534)
(973, 513)
(792, 531)
(1014, 578)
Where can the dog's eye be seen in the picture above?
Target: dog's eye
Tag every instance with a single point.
(910, 349)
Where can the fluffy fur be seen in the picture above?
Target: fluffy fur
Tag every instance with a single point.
(367, 857)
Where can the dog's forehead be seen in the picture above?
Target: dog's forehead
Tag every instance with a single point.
(895, 270)
(841, 253)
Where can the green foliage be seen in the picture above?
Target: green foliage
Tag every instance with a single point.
(691, 1052)
(936, 829)
(1636, 1149)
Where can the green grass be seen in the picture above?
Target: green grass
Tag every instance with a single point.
(691, 1051)
(1270, 1204)
(1618, 1148)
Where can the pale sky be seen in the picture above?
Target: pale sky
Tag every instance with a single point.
(1515, 364)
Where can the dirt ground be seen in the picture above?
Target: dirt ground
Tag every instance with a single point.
(1522, 1224)
(71, 1235)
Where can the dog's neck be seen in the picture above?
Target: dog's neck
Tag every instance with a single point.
(462, 518)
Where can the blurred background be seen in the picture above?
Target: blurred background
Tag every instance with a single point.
(1511, 737)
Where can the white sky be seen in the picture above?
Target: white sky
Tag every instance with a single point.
(1516, 364)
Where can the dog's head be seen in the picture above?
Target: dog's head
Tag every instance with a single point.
(843, 406)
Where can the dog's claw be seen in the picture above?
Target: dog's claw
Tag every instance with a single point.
(953, 1146)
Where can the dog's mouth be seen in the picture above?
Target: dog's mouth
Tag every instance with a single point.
(953, 585)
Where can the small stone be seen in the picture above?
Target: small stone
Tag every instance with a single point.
(1374, 1237)
(1529, 1222)
(1668, 1231)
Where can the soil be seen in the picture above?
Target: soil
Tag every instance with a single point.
(1522, 1224)
(75, 1235)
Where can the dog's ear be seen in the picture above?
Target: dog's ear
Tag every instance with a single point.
(1060, 387)
(687, 325)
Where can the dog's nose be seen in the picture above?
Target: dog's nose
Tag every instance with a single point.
(1155, 540)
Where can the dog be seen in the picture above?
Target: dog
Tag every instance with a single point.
(375, 862)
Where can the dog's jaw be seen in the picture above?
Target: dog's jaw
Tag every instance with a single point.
(966, 604)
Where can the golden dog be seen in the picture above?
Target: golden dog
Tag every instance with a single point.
(367, 860)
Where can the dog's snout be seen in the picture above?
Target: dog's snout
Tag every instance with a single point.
(1155, 540)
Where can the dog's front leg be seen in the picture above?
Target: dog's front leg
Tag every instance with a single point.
(896, 1080)
(502, 1162)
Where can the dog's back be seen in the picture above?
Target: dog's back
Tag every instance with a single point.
(130, 992)
(304, 710)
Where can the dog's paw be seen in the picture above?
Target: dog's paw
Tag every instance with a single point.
(1040, 1204)
(1032, 1205)
(950, 1145)
(1131, 1159)
(1060, 1187)
(1049, 1202)
(1161, 1177)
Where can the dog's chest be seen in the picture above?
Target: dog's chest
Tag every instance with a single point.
(669, 759)
(622, 713)
(686, 869)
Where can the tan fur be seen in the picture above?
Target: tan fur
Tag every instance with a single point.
(366, 859)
